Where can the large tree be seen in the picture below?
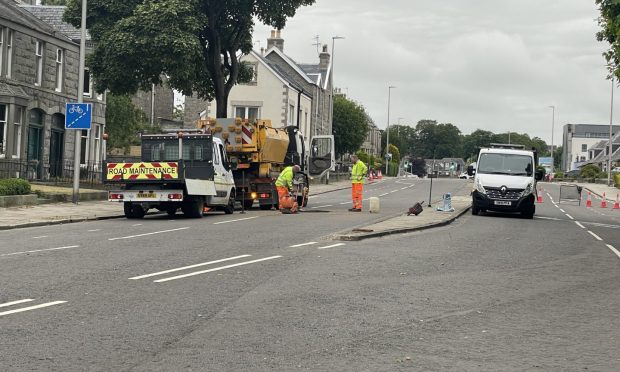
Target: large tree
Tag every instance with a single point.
(609, 21)
(195, 43)
(350, 125)
(124, 122)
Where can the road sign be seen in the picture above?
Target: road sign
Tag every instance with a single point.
(79, 115)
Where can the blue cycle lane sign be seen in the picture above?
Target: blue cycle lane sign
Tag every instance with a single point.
(79, 116)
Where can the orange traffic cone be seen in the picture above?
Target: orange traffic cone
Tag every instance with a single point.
(539, 198)
(370, 176)
(604, 201)
(617, 203)
(589, 200)
(379, 175)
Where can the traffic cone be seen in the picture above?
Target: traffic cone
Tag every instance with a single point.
(379, 175)
(604, 201)
(617, 203)
(589, 200)
(370, 176)
(539, 198)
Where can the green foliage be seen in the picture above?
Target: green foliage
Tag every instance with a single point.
(395, 153)
(195, 43)
(393, 169)
(609, 21)
(14, 186)
(53, 2)
(590, 171)
(350, 125)
(559, 175)
(124, 122)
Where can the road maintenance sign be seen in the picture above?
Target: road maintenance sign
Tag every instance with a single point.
(142, 171)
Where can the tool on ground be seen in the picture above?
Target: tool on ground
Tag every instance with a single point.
(416, 209)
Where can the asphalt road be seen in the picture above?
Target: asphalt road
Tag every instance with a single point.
(265, 291)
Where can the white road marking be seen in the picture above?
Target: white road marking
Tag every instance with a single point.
(138, 224)
(39, 250)
(562, 210)
(322, 206)
(613, 249)
(146, 234)
(237, 220)
(215, 269)
(594, 235)
(39, 237)
(189, 267)
(302, 244)
(404, 188)
(32, 307)
(94, 230)
(548, 218)
(580, 225)
(15, 302)
(345, 203)
(569, 216)
(332, 246)
(384, 194)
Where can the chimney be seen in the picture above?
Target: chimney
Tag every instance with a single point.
(275, 40)
(324, 58)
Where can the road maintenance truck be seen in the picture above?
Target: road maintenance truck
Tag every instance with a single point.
(259, 152)
(190, 171)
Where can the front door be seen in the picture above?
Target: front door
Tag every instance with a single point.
(56, 151)
(35, 135)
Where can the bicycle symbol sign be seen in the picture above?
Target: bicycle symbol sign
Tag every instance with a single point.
(79, 116)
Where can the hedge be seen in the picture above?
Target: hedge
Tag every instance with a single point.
(14, 186)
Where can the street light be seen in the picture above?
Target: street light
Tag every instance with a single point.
(611, 120)
(387, 145)
(552, 126)
(331, 77)
(80, 97)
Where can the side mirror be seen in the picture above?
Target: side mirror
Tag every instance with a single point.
(470, 170)
(538, 175)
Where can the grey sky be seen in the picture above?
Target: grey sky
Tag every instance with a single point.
(490, 64)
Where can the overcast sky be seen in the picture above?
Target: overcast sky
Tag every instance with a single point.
(490, 64)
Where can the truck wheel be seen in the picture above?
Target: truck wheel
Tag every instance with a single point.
(529, 213)
(248, 204)
(128, 209)
(137, 211)
(265, 207)
(230, 207)
(194, 207)
(171, 211)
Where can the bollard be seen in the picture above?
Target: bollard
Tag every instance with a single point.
(447, 203)
(374, 204)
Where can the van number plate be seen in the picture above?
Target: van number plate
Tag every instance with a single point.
(501, 202)
(146, 195)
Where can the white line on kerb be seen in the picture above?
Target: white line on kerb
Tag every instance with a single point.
(613, 249)
(215, 269)
(237, 220)
(302, 244)
(40, 250)
(32, 307)
(580, 225)
(332, 246)
(16, 302)
(594, 235)
(152, 233)
(189, 267)
(569, 216)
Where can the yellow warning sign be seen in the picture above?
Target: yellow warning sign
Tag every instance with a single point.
(142, 171)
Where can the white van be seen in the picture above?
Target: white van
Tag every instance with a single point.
(505, 180)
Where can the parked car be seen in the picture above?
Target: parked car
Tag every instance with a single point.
(465, 176)
(615, 170)
(572, 174)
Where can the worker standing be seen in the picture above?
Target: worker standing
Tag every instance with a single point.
(358, 172)
(284, 185)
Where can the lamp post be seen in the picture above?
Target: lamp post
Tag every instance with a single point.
(331, 77)
(552, 126)
(387, 145)
(80, 97)
(611, 120)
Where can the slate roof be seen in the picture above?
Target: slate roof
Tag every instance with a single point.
(14, 12)
(283, 74)
(52, 15)
(314, 72)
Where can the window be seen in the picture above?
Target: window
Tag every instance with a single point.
(1, 47)
(254, 68)
(291, 114)
(84, 147)
(59, 65)
(38, 63)
(9, 52)
(3, 130)
(250, 113)
(97, 142)
(86, 83)
(509, 164)
(584, 148)
(17, 132)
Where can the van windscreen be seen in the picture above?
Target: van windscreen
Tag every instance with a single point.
(509, 164)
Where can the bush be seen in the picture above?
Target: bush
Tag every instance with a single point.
(559, 175)
(590, 171)
(14, 186)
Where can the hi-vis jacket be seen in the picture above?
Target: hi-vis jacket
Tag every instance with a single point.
(286, 178)
(358, 172)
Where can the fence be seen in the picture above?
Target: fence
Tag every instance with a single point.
(55, 172)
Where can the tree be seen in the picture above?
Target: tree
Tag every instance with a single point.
(124, 122)
(474, 141)
(53, 2)
(178, 113)
(609, 21)
(557, 158)
(350, 125)
(195, 43)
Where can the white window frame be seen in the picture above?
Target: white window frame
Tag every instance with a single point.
(246, 110)
(9, 52)
(87, 84)
(291, 114)
(4, 130)
(97, 143)
(18, 125)
(38, 55)
(85, 145)
(59, 69)
(1, 48)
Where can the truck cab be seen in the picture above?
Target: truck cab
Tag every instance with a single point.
(505, 180)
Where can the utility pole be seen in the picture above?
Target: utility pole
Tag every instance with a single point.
(387, 145)
(78, 132)
(611, 121)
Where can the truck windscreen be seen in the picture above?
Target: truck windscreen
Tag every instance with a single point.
(509, 164)
(169, 151)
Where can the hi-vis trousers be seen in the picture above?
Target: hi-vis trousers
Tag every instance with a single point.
(357, 194)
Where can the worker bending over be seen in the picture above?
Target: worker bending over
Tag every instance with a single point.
(358, 172)
(284, 185)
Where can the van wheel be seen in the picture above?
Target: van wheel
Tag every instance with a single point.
(230, 207)
(194, 207)
(529, 213)
(128, 209)
(247, 204)
(475, 210)
(265, 207)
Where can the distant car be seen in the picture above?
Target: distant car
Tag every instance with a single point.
(465, 176)
(572, 174)
(615, 170)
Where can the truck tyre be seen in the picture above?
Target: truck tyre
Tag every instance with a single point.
(265, 207)
(247, 204)
(529, 212)
(128, 209)
(230, 207)
(171, 211)
(137, 211)
(194, 207)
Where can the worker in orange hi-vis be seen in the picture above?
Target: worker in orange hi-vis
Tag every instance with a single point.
(284, 183)
(358, 172)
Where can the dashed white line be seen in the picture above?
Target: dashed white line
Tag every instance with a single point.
(94, 230)
(613, 249)
(404, 188)
(237, 220)
(569, 216)
(189, 267)
(39, 250)
(580, 225)
(332, 246)
(151, 233)
(322, 206)
(138, 224)
(302, 244)
(32, 307)
(562, 210)
(594, 235)
(215, 269)
(384, 194)
(39, 237)
(15, 302)
(343, 203)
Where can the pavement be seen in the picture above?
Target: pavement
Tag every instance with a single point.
(62, 213)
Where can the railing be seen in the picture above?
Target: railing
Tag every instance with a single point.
(54, 172)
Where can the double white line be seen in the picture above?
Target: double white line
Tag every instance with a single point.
(202, 271)
(12, 303)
